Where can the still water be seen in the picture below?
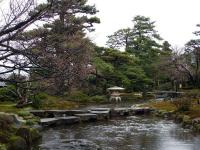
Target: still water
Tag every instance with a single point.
(131, 133)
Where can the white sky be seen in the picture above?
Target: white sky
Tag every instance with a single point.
(175, 19)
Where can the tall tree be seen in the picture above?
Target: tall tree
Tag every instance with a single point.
(191, 63)
(145, 39)
(62, 43)
(120, 39)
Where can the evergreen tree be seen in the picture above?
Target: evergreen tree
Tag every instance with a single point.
(144, 43)
(61, 43)
(121, 38)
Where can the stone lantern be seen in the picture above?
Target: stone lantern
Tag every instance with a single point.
(115, 93)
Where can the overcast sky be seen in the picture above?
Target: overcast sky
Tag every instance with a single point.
(175, 19)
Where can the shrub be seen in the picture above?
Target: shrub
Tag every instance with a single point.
(2, 147)
(79, 96)
(98, 98)
(31, 122)
(38, 100)
(41, 96)
(37, 103)
(182, 104)
(23, 113)
(194, 93)
(8, 93)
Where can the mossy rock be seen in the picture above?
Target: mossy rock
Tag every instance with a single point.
(4, 136)
(186, 120)
(6, 121)
(35, 135)
(162, 113)
(2, 147)
(179, 118)
(17, 143)
(29, 134)
(197, 127)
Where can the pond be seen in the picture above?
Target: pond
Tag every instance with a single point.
(130, 133)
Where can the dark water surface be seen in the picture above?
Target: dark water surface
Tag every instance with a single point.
(131, 133)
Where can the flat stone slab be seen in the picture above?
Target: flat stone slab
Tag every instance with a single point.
(37, 111)
(100, 109)
(101, 114)
(73, 112)
(48, 121)
(141, 110)
(59, 121)
(66, 111)
(120, 111)
(87, 117)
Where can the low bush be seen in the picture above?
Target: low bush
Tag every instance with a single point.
(23, 113)
(194, 93)
(2, 147)
(38, 100)
(79, 96)
(98, 98)
(8, 94)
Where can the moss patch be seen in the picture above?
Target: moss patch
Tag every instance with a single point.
(164, 105)
(17, 143)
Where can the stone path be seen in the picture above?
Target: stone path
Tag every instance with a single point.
(66, 117)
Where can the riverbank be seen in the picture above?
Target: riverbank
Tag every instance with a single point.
(19, 128)
(189, 118)
(15, 133)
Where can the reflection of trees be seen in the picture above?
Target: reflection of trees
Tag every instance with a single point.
(154, 135)
(147, 141)
(181, 134)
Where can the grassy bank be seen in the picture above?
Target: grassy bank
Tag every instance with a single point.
(193, 111)
(189, 118)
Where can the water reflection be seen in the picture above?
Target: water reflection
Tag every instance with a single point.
(132, 133)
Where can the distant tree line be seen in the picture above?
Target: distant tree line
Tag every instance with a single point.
(44, 47)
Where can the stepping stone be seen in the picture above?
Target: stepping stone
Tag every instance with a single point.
(48, 121)
(101, 114)
(60, 113)
(120, 111)
(87, 117)
(100, 109)
(68, 120)
(73, 112)
(141, 110)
